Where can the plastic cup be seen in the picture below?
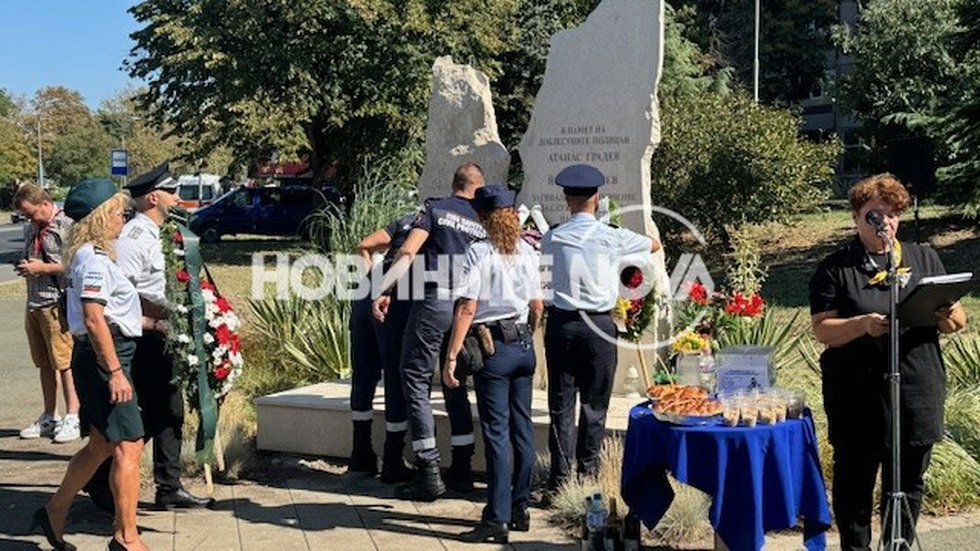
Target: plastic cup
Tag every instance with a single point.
(795, 404)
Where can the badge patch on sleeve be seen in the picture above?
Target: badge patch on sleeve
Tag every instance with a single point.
(92, 283)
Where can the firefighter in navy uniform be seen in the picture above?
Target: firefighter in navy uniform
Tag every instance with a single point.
(376, 349)
(139, 254)
(442, 232)
(585, 282)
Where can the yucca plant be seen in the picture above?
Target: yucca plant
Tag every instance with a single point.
(323, 349)
(961, 354)
(783, 338)
(963, 418)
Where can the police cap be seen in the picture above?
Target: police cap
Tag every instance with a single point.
(580, 180)
(492, 197)
(158, 178)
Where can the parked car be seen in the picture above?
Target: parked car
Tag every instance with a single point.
(198, 190)
(261, 211)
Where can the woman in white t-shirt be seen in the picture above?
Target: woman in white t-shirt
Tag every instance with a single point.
(500, 300)
(104, 315)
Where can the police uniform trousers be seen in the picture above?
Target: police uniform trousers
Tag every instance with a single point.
(503, 398)
(579, 362)
(163, 407)
(376, 349)
(428, 322)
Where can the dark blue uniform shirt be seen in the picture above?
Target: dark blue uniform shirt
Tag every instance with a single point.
(452, 224)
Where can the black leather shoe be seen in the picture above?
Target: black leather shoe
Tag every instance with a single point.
(182, 499)
(116, 545)
(520, 520)
(486, 532)
(43, 521)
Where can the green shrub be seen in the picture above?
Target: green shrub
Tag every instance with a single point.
(724, 161)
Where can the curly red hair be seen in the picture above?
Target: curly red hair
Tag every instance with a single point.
(883, 186)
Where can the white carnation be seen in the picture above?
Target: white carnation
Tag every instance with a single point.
(208, 338)
(192, 360)
(183, 338)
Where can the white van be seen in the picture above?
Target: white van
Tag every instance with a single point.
(198, 190)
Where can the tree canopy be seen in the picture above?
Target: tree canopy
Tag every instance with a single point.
(337, 78)
(794, 38)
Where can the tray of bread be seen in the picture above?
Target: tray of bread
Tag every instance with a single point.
(686, 405)
(673, 391)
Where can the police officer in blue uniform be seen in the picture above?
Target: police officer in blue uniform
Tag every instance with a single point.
(442, 232)
(376, 348)
(502, 298)
(585, 257)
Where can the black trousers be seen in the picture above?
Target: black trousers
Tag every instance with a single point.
(163, 407)
(579, 362)
(855, 472)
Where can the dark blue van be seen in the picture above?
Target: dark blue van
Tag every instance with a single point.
(261, 211)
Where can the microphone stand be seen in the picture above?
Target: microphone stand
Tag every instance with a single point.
(897, 504)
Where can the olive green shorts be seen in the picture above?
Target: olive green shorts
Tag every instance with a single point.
(116, 422)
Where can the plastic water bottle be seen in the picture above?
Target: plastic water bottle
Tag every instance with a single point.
(706, 364)
(631, 384)
(596, 520)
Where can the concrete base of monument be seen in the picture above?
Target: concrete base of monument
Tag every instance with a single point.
(316, 420)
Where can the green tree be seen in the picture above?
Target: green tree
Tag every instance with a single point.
(62, 111)
(958, 125)
(724, 161)
(336, 78)
(79, 154)
(903, 63)
(16, 160)
(794, 39)
(7, 105)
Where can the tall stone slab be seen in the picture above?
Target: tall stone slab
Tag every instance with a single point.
(598, 106)
(462, 127)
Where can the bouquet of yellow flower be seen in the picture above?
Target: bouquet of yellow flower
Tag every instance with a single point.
(691, 343)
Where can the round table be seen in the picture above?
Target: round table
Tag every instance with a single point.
(760, 479)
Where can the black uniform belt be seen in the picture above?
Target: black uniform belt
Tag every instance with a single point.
(554, 310)
(505, 330)
(114, 330)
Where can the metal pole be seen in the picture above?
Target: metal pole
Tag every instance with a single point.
(40, 156)
(755, 61)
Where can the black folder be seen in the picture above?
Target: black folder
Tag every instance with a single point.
(919, 307)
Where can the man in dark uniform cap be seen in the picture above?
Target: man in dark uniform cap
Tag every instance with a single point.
(139, 254)
(585, 257)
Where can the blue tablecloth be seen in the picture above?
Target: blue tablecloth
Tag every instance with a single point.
(760, 479)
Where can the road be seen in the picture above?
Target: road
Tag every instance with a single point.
(11, 248)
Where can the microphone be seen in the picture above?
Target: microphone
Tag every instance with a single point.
(876, 220)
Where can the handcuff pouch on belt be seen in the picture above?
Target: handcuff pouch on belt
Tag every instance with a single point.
(479, 342)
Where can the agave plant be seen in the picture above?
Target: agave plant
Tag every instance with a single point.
(962, 358)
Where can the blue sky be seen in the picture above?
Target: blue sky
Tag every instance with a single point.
(79, 44)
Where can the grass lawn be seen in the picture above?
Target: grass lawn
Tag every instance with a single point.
(792, 252)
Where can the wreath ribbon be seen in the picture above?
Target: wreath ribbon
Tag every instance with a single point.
(206, 404)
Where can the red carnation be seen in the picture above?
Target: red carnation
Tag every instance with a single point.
(698, 293)
(183, 276)
(221, 373)
(631, 277)
(223, 335)
(235, 345)
(207, 285)
(178, 237)
(223, 305)
(741, 305)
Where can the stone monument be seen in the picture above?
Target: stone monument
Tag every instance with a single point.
(461, 128)
(598, 106)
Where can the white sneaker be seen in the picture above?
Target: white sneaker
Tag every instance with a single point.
(68, 430)
(44, 426)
